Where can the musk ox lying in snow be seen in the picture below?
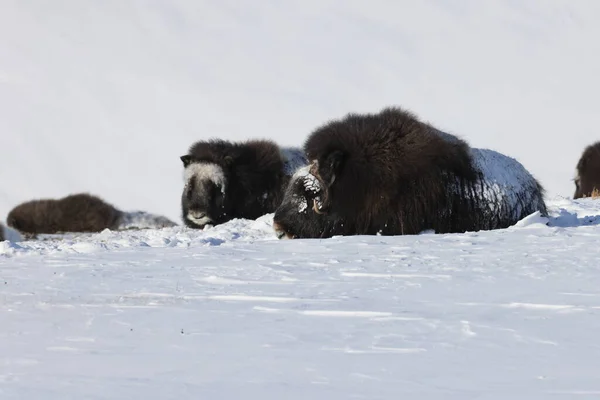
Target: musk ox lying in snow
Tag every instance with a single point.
(81, 212)
(225, 180)
(391, 174)
(587, 180)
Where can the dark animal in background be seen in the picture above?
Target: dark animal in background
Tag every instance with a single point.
(587, 181)
(2, 234)
(81, 212)
(225, 180)
(391, 174)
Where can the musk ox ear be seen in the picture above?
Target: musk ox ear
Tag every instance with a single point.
(187, 159)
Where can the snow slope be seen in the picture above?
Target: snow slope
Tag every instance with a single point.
(231, 312)
(105, 96)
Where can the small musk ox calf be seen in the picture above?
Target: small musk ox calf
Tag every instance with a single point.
(80, 212)
(391, 174)
(225, 180)
(587, 180)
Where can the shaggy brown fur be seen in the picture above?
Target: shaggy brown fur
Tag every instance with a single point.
(255, 176)
(588, 172)
(391, 174)
(74, 213)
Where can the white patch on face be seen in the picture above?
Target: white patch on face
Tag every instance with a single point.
(205, 171)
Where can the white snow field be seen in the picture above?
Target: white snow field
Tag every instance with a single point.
(231, 312)
(104, 96)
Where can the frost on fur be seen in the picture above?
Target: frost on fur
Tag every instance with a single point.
(7, 233)
(205, 171)
(507, 189)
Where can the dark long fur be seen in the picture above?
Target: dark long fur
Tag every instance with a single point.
(255, 179)
(80, 212)
(2, 238)
(588, 172)
(391, 174)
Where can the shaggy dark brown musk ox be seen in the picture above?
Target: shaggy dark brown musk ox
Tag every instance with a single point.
(225, 180)
(587, 181)
(81, 212)
(390, 174)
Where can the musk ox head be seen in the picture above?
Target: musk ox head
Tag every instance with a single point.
(587, 180)
(296, 217)
(203, 201)
(226, 180)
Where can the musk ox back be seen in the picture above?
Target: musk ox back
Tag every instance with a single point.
(587, 180)
(81, 212)
(225, 180)
(390, 174)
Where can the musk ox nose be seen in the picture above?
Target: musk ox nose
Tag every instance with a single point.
(198, 214)
(280, 231)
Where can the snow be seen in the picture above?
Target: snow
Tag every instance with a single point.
(233, 312)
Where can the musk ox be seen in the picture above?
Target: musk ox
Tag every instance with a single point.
(391, 174)
(81, 212)
(587, 180)
(225, 180)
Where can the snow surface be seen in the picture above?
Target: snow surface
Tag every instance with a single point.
(105, 96)
(231, 312)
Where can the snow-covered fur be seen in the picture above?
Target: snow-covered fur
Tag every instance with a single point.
(7, 233)
(390, 174)
(588, 172)
(81, 212)
(225, 180)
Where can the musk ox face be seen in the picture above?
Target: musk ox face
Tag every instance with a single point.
(296, 217)
(203, 200)
(324, 171)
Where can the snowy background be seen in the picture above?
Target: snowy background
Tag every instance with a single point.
(104, 96)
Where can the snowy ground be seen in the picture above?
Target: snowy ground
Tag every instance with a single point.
(231, 313)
